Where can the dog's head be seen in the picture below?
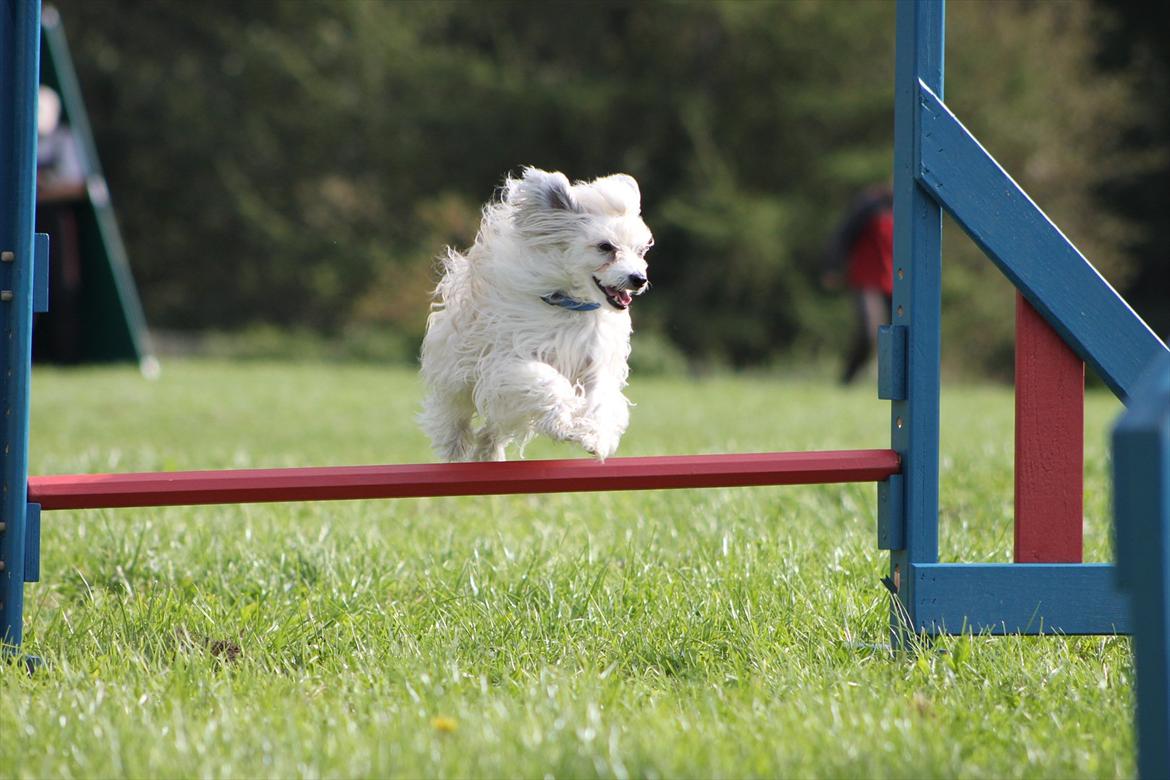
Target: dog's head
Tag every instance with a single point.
(590, 235)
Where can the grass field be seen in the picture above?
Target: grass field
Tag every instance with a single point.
(719, 633)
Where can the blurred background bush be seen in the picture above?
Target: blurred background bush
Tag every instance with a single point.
(285, 172)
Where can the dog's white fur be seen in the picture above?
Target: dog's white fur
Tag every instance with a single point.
(497, 351)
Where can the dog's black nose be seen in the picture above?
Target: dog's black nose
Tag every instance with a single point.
(637, 281)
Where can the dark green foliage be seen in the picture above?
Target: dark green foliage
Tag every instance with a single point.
(1139, 43)
(299, 164)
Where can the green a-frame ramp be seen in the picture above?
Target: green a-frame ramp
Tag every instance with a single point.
(110, 323)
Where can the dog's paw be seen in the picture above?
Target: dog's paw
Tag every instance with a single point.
(600, 444)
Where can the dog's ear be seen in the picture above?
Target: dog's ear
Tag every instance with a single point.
(616, 195)
(622, 181)
(538, 189)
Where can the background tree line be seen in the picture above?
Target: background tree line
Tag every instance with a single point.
(300, 164)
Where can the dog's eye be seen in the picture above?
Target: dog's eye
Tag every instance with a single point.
(606, 248)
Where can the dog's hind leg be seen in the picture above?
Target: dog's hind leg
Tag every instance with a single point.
(446, 419)
(489, 445)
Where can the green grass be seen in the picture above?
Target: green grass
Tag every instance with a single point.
(712, 633)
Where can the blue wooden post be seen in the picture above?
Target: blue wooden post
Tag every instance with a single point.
(20, 37)
(1141, 502)
(917, 302)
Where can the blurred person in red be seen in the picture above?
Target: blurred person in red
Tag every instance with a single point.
(61, 194)
(861, 257)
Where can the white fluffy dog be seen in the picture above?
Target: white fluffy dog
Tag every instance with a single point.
(530, 329)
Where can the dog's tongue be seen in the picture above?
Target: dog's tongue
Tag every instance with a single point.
(623, 297)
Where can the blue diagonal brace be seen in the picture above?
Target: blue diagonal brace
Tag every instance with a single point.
(1031, 251)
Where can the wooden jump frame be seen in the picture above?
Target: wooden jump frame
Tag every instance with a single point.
(1067, 316)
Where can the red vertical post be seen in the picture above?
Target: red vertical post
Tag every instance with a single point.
(1050, 452)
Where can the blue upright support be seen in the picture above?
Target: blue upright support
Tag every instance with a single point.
(19, 68)
(1141, 502)
(916, 307)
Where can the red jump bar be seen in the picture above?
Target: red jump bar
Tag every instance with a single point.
(244, 486)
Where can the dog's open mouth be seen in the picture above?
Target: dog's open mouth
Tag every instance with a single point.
(619, 299)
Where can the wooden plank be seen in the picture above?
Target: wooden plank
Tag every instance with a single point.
(1141, 500)
(917, 306)
(891, 514)
(89, 491)
(1020, 598)
(1050, 446)
(1039, 260)
(892, 366)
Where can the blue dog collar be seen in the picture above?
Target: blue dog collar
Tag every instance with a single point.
(565, 302)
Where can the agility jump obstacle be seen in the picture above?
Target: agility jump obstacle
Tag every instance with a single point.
(1067, 316)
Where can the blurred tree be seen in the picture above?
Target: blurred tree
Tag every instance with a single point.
(1135, 42)
(300, 163)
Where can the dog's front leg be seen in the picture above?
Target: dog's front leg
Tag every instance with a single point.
(519, 396)
(606, 416)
